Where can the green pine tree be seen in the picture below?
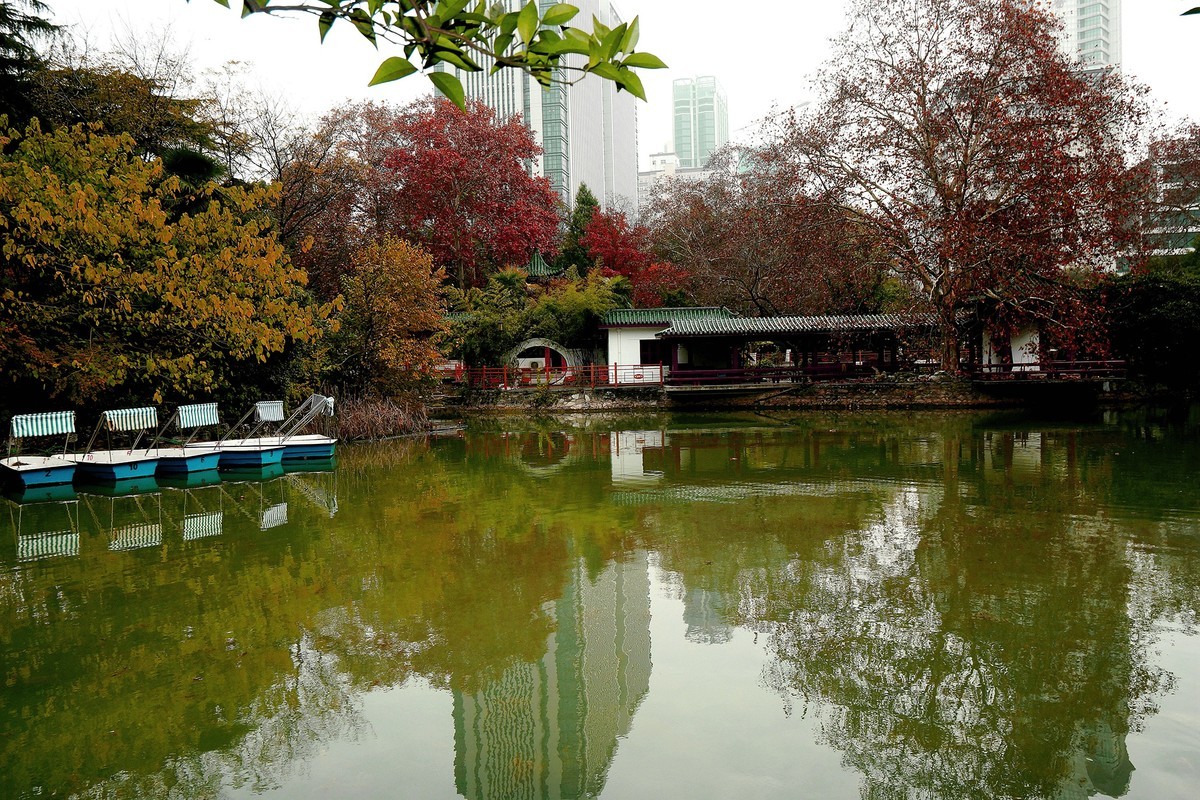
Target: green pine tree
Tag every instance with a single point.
(21, 23)
(572, 253)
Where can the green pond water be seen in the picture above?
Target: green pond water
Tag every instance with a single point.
(853, 606)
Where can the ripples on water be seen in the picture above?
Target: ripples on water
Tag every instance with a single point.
(859, 606)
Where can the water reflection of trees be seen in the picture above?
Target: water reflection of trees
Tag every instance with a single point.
(966, 608)
(981, 629)
(159, 671)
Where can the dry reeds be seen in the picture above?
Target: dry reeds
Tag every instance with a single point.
(367, 418)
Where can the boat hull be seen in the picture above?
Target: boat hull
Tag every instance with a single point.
(309, 448)
(247, 456)
(103, 470)
(34, 471)
(183, 462)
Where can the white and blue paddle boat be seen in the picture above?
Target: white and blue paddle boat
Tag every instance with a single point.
(253, 451)
(31, 470)
(307, 446)
(187, 458)
(118, 465)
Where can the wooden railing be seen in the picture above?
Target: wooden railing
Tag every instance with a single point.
(586, 376)
(1050, 370)
(782, 374)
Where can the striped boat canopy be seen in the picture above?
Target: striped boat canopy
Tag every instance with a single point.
(274, 516)
(47, 545)
(50, 423)
(197, 526)
(132, 537)
(130, 419)
(198, 415)
(269, 411)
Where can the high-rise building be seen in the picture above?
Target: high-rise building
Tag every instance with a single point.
(550, 729)
(701, 119)
(1092, 32)
(587, 130)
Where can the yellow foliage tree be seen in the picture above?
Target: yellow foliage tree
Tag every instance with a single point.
(393, 317)
(106, 293)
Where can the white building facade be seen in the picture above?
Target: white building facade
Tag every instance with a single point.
(1092, 32)
(587, 131)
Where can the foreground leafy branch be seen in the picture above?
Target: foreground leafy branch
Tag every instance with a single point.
(473, 35)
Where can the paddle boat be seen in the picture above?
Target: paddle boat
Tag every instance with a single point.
(303, 446)
(118, 465)
(254, 450)
(186, 458)
(33, 470)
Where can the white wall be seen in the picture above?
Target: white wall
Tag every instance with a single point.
(1025, 344)
(625, 350)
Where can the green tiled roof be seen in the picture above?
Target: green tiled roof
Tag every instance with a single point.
(538, 268)
(777, 326)
(649, 317)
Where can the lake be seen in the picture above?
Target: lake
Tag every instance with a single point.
(831, 606)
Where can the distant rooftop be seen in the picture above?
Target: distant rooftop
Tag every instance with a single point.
(774, 326)
(650, 317)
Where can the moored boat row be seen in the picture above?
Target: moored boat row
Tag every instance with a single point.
(271, 439)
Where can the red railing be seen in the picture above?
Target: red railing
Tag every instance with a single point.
(1050, 370)
(794, 373)
(587, 376)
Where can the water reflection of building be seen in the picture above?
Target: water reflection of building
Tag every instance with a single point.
(1100, 765)
(628, 457)
(706, 613)
(550, 729)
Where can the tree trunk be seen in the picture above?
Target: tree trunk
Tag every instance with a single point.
(949, 344)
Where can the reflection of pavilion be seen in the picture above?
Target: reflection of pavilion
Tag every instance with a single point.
(550, 729)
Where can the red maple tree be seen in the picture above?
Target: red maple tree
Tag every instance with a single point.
(463, 191)
(758, 241)
(624, 248)
(990, 165)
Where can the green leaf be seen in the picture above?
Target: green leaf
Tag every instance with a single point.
(559, 14)
(644, 61)
(392, 69)
(365, 25)
(632, 34)
(527, 22)
(325, 22)
(448, 9)
(449, 86)
(560, 47)
(508, 23)
(1195, 10)
(606, 70)
(599, 28)
(501, 44)
(631, 83)
(452, 55)
(612, 41)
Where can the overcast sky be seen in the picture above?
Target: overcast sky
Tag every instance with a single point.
(761, 61)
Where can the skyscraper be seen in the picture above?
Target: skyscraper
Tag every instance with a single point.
(701, 119)
(1092, 31)
(587, 131)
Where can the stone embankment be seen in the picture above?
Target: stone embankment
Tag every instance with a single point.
(886, 392)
